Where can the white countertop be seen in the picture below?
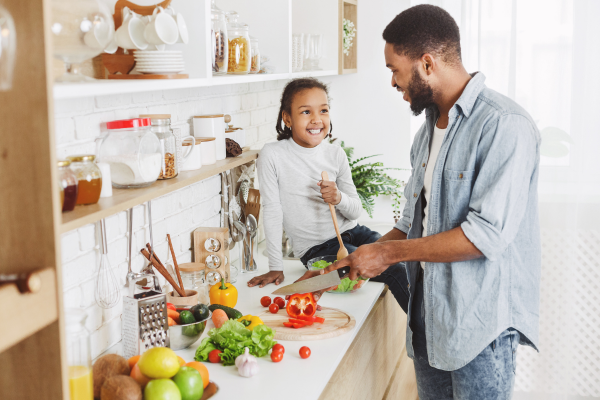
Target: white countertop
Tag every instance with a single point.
(293, 377)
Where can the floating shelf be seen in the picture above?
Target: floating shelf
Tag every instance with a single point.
(123, 199)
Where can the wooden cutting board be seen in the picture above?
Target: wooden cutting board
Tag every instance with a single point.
(337, 322)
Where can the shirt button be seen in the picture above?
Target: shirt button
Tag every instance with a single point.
(409, 285)
(460, 176)
(415, 195)
(423, 165)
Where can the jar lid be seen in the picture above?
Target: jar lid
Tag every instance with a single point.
(81, 157)
(198, 141)
(192, 267)
(64, 163)
(209, 116)
(128, 123)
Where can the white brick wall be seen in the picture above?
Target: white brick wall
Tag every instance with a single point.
(80, 122)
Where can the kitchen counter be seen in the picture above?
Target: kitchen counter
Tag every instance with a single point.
(296, 378)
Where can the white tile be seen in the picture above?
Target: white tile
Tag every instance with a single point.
(64, 130)
(186, 197)
(111, 101)
(257, 117)
(69, 246)
(264, 99)
(185, 241)
(84, 105)
(87, 237)
(249, 101)
(113, 227)
(94, 317)
(242, 119)
(117, 251)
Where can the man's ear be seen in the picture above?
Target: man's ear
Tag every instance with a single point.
(428, 63)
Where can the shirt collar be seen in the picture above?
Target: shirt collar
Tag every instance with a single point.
(466, 101)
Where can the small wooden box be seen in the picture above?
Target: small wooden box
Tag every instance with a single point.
(211, 247)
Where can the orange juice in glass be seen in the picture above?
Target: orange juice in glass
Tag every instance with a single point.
(81, 385)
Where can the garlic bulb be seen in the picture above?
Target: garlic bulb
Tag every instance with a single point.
(246, 364)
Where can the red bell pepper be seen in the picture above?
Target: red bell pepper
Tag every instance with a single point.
(288, 324)
(301, 305)
(293, 325)
(297, 321)
(299, 325)
(311, 319)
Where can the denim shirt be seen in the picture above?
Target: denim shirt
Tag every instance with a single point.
(485, 181)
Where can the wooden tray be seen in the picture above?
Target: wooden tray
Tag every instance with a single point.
(337, 322)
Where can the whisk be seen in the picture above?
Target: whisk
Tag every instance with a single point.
(107, 292)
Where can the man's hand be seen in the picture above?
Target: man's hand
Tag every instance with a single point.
(330, 192)
(312, 274)
(265, 279)
(367, 261)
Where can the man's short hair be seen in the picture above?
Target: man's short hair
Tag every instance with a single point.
(425, 29)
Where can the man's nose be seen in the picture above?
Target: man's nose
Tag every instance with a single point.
(394, 82)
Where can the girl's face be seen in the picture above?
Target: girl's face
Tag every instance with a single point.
(309, 118)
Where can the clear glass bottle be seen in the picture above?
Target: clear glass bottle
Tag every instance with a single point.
(68, 184)
(220, 43)
(254, 56)
(79, 360)
(89, 178)
(239, 45)
(133, 152)
(161, 126)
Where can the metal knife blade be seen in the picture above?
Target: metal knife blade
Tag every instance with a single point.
(319, 282)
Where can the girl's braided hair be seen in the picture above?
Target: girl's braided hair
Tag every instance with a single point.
(291, 89)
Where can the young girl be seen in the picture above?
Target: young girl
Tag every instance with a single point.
(293, 194)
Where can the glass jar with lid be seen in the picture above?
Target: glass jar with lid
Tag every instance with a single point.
(220, 43)
(68, 184)
(161, 126)
(133, 152)
(79, 360)
(239, 45)
(254, 56)
(192, 275)
(89, 178)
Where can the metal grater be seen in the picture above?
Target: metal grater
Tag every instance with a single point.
(144, 323)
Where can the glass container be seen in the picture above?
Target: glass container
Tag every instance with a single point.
(133, 152)
(254, 56)
(89, 178)
(313, 51)
(79, 360)
(8, 47)
(297, 52)
(192, 275)
(81, 29)
(220, 43)
(68, 184)
(239, 45)
(161, 126)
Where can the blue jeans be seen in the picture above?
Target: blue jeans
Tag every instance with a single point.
(490, 376)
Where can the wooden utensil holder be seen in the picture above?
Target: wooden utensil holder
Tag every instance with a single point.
(201, 253)
(191, 298)
(119, 65)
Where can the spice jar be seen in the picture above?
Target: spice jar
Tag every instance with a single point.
(161, 126)
(220, 44)
(133, 152)
(79, 360)
(68, 184)
(239, 45)
(254, 56)
(89, 178)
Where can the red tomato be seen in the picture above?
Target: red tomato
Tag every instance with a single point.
(214, 356)
(304, 352)
(278, 347)
(265, 301)
(171, 307)
(279, 301)
(276, 356)
(274, 308)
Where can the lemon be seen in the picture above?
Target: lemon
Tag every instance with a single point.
(159, 363)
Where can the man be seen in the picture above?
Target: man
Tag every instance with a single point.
(469, 234)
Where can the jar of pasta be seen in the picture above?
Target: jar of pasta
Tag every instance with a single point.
(89, 178)
(161, 126)
(239, 45)
(254, 56)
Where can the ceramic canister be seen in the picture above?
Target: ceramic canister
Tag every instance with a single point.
(212, 126)
(191, 155)
(208, 150)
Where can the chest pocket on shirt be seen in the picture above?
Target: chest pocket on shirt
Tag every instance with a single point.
(458, 193)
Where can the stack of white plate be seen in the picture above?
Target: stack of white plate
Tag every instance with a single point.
(158, 62)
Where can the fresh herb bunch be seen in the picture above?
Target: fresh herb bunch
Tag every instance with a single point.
(371, 180)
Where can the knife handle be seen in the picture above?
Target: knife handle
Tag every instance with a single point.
(343, 272)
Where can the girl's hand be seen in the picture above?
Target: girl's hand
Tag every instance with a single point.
(330, 192)
(265, 279)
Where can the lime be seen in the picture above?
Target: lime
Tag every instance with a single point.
(162, 389)
(158, 363)
(189, 382)
(186, 317)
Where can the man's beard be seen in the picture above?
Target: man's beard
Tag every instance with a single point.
(420, 93)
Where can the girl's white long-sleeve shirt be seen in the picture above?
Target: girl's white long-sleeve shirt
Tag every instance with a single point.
(288, 176)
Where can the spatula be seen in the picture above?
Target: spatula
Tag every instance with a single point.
(342, 252)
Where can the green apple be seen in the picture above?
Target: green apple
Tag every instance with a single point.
(189, 382)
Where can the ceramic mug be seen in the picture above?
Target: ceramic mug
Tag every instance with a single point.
(130, 34)
(184, 36)
(112, 46)
(191, 158)
(162, 28)
(100, 35)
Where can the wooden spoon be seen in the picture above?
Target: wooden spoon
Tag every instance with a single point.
(342, 252)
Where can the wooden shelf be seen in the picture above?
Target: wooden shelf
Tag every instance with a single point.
(123, 199)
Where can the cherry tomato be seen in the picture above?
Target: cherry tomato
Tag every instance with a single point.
(304, 352)
(279, 301)
(214, 356)
(265, 301)
(278, 347)
(276, 356)
(274, 308)
(171, 307)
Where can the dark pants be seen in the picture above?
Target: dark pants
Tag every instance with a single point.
(491, 375)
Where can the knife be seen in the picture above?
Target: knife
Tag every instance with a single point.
(315, 283)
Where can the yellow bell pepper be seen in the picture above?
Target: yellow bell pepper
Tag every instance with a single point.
(251, 321)
(224, 294)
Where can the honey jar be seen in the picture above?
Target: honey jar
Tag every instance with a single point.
(89, 178)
